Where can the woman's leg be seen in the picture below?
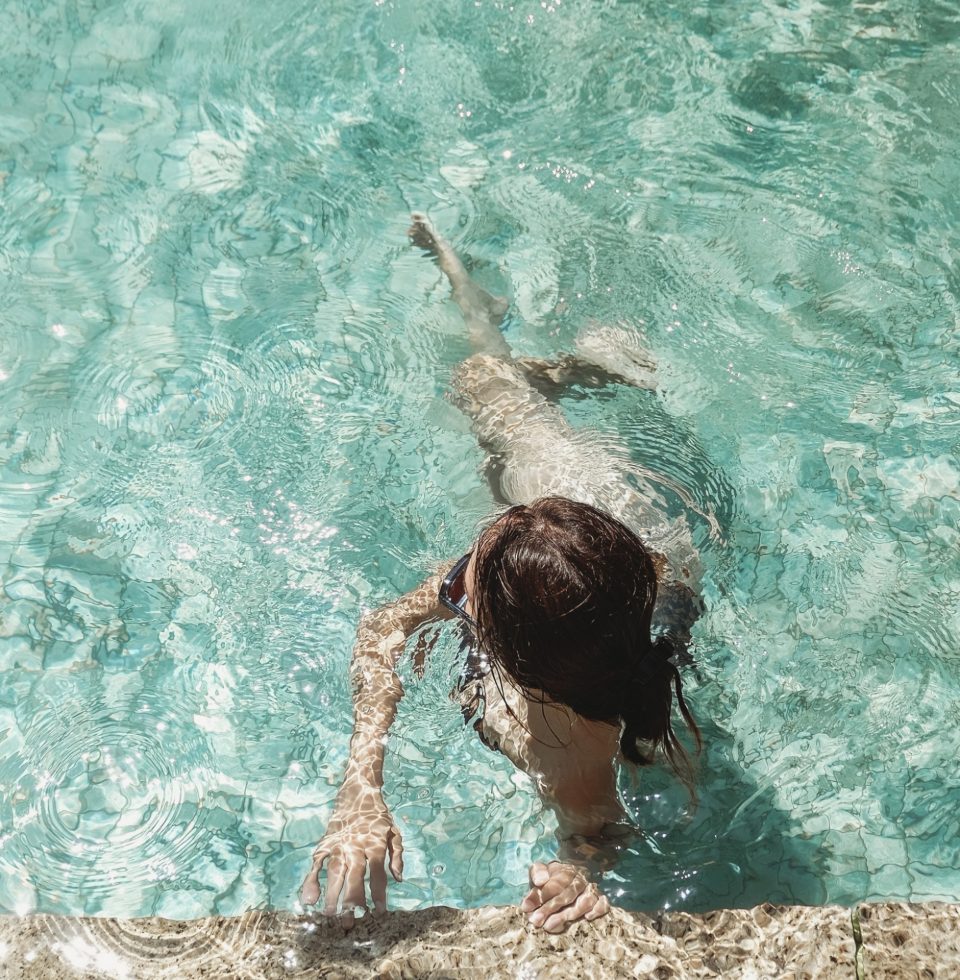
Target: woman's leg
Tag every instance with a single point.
(482, 312)
(605, 355)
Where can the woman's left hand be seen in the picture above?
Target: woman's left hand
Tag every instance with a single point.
(560, 894)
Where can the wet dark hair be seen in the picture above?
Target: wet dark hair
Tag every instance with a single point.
(563, 599)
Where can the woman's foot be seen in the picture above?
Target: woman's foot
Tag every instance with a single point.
(421, 234)
(619, 352)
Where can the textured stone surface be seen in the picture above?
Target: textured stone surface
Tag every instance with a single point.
(910, 942)
(765, 942)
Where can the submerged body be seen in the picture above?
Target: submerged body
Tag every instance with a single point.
(567, 739)
(539, 454)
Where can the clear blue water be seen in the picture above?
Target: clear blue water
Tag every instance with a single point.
(223, 430)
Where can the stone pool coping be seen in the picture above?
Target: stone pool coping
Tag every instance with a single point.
(886, 940)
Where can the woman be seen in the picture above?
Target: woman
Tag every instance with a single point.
(560, 598)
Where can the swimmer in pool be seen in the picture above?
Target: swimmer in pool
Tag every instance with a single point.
(578, 603)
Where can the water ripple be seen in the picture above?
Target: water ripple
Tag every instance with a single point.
(104, 797)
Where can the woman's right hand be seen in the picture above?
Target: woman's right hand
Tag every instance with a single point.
(561, 893)
(361, 835)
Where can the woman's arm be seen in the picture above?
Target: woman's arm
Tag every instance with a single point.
(566, 889)
(571, 761)
(361, 834)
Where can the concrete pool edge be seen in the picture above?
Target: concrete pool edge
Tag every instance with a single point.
(881, 940)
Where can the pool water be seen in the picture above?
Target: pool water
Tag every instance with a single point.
(224, 431)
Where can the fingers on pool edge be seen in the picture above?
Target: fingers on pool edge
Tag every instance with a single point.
(558, 901)
(378, 885)
(562, 918)
(336, 878)
(395, 850)
(531, 901)
(355, 886)
(539, 874)
(601, 908)
(310, 889)
(557, 888)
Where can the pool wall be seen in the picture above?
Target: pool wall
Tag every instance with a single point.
(885, 940)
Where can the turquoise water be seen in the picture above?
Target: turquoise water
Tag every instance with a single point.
(223, 430)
